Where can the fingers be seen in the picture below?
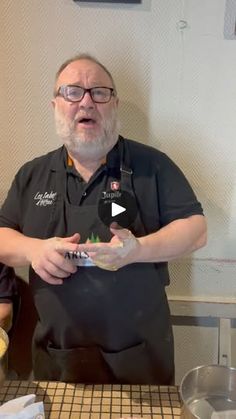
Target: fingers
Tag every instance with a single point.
(102, 248)
(52, 266)
(59, 266)
(118, 252)
(127, 239)
(97, 248)
(114, 225)
(72, 239)
(55, 270)
(49, 260)
(120, 244)
(53, 254)
(63, 245)
(122, 234)
(47, 277)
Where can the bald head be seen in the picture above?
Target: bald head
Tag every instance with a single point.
(80, 57)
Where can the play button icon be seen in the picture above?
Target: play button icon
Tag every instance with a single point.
(117, 206)
(116, 209)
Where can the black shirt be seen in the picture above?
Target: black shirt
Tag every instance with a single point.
(163, 193)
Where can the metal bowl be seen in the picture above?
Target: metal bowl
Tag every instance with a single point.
(208, 389)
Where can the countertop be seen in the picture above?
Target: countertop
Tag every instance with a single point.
(78, 401)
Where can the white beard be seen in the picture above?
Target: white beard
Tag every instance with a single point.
(88, 150)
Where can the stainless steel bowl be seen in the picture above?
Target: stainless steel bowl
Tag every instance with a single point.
(207, 389)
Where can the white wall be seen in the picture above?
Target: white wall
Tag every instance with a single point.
(177, 89)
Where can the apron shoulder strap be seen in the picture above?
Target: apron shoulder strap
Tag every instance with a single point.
(125, 166)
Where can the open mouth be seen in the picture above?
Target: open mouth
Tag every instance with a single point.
(86, 121)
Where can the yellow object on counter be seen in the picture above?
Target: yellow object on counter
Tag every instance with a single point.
(4, 342)
(3, 347)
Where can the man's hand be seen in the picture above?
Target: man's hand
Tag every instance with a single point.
(47, 258)
(120, 251)
(179, 238)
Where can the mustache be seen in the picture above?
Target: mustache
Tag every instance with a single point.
(85, 115)
(66, 128)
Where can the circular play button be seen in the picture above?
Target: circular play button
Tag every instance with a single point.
(117, 206)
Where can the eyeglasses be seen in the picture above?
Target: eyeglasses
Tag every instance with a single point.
(73, 93)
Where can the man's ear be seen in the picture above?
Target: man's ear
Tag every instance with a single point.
(53, 103)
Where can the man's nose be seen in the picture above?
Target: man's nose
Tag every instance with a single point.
(87, 101)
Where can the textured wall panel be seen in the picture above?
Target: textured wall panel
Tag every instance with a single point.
(189, 350)
(177, 92)
(233, 346)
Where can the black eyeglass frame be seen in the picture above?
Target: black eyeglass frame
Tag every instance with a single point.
(62, 89)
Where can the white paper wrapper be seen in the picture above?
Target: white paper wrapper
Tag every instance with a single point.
(80, 259)
(22, 408)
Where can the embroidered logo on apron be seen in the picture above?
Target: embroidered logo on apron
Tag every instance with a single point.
(115, 185)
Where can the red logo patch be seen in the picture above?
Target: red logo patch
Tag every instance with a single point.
(115, 186)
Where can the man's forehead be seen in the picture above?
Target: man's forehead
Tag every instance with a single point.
(83, 70)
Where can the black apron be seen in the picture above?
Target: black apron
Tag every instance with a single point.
(101, 326)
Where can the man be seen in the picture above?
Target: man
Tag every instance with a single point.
(107, 320)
